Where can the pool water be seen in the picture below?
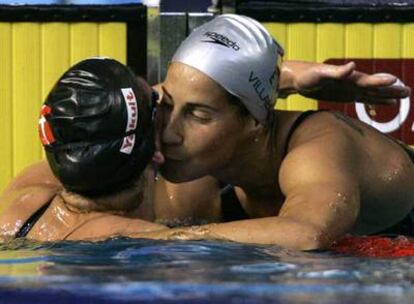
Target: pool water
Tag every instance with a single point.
(141, 271)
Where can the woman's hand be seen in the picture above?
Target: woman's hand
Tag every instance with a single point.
(340, 83)
(192, 233)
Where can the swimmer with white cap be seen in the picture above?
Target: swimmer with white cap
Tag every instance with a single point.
(301, 180)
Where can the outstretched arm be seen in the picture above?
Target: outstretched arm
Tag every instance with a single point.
(336, 83)
(339, 83)
(321, 205)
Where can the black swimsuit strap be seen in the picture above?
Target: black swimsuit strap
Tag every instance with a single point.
(230, 204)
(28, 225)
(296, 124)
(231, 208)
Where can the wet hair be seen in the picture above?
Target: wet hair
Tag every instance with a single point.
(237, 103)
(245, 113)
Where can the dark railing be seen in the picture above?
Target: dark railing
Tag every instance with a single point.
(328, 10)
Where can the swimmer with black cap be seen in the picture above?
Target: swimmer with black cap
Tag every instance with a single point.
(302, 180)
(97, 128)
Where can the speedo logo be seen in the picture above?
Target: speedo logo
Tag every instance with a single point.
(221, 40)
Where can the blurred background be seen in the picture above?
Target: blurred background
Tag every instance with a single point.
(40, 39)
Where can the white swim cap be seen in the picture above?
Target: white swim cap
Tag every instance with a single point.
(240, 55)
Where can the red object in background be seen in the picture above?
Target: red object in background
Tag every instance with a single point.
(396, 120)
(375, 246)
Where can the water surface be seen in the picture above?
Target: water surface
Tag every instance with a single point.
(143, 271)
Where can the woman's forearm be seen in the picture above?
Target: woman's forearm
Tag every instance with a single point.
(271, 230)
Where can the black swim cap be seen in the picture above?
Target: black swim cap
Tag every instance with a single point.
(96, 126)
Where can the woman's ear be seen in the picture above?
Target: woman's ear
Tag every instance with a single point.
(254, 129)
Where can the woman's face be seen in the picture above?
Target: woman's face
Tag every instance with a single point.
(201, 129)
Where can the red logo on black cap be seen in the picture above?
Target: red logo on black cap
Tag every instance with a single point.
(45, 131)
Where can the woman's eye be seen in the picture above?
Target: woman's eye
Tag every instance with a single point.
(200, 114)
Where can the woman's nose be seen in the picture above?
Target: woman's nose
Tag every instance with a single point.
(172, 130)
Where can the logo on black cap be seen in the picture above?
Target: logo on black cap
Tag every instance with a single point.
(45, 131)
(221, 40)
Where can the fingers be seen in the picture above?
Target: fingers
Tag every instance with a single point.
(363, 80)
(338, 72)
(381, 88)
(385, 78)
(376, 100)
(345, 70)
(389, 92)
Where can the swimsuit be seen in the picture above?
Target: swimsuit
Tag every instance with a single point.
(231, 209)
(28, 225)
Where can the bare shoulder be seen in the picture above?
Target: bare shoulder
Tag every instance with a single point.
(34, 175)
(99, 225)
(17, 206)
(319, 176)
(60, 222)
(31, 187)
(323, 125)
(321, 149)
(26, 193)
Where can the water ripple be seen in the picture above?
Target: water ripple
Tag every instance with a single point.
(203, 272)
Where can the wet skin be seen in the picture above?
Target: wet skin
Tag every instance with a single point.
(338, 176)
(74, 217)
(226, 151)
